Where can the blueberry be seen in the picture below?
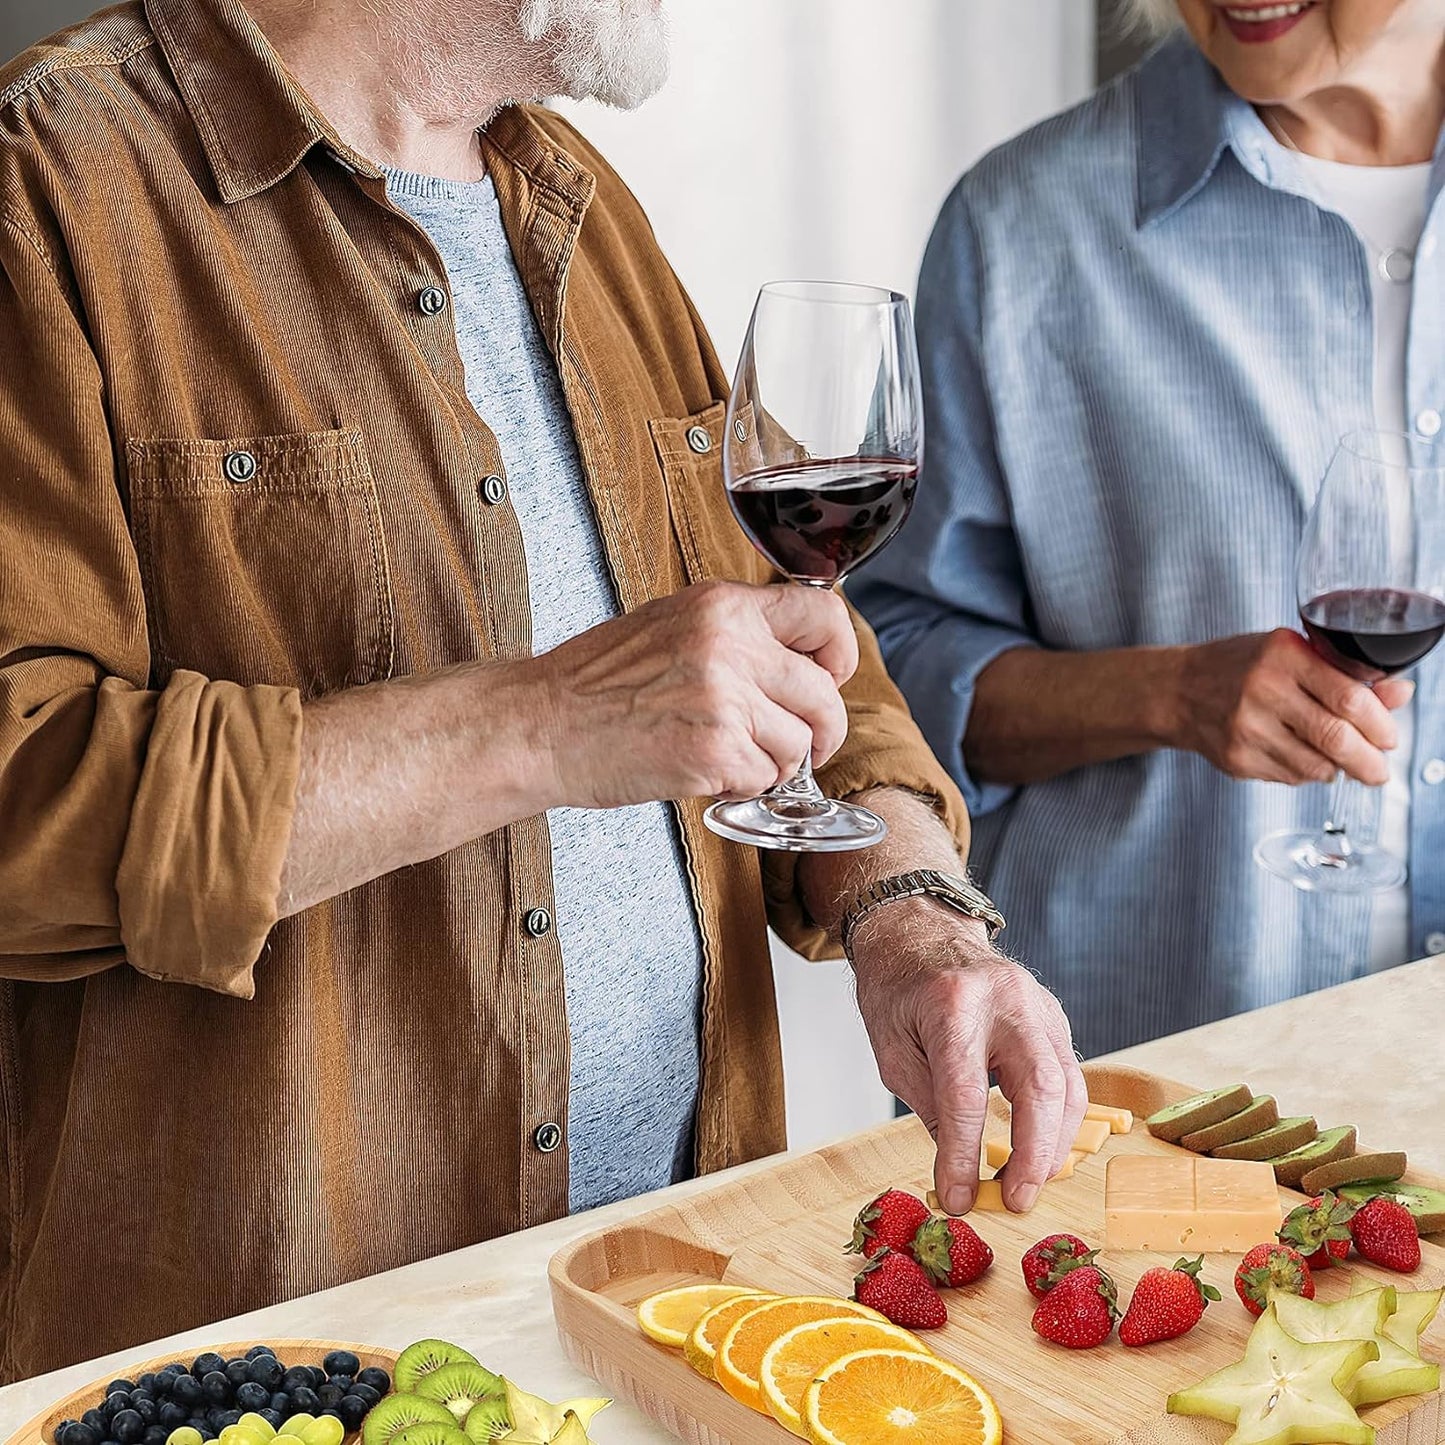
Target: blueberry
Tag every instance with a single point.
(145, 1407)
(375, 1379)
(274, 1418)
(199, 1422)
(99, 1424)
(187, 1391)
(256, 1351)
(155, 1435)
(146, 1381)
(112, 1405)
(368, 1396)
(344, 1382)
(228, 1417)
(127, 1427)
(329, 1395)
(77, 1433)
(267, 1370)
(172, 1415)
(341, 1362)
(238, 1372)
(296, 1377)
(281, 1403)
(206, 1363)
(115, 1385)
(353, 1410)
(252, 1396)
(305, 1400)
(216, 1389)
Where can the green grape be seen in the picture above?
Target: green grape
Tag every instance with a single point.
(327, 1430)
(294, 1427)
(185, 1435)
(239, 1435)
(257, 1425)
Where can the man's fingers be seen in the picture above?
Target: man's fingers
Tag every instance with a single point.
(785, 738)
(1337, 739)
(1036, 1085)
(1290, 760)
(1076, 1101)
(1395, 692)
(1350, 702)
(960, 1091)
(816, 622)
(804, 689)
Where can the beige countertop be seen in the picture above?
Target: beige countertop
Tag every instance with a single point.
(1339, 1054)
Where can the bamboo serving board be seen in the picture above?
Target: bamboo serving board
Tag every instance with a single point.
(41, 1430)
(784, 1230)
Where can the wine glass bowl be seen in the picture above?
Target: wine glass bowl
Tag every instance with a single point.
(823, 444)
(1370, 583)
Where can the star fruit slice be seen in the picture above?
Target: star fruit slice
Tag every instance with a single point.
(1414, 1310)
(1365, 1316)
(536, 1421)
(1284, 1392)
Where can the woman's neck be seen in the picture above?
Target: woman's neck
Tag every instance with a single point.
(1386, 113)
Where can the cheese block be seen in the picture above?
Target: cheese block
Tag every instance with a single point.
(1120, 1121)
(1093, 1135)
(990, 1196)
(1188, 1205)
(996, 1154)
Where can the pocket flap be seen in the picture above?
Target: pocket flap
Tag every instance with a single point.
(305, 462)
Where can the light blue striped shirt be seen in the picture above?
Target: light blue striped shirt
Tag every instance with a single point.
(1141, 339)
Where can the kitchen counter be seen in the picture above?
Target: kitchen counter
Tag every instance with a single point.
(1337, 1054)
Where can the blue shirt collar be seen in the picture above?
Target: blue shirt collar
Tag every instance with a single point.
(1188, 118)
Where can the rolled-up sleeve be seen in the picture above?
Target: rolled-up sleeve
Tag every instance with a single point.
(138, 826)
(949, 595)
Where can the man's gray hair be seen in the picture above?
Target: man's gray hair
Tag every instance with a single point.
(1152, 16)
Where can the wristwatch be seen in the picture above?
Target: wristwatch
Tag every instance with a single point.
(957, 893)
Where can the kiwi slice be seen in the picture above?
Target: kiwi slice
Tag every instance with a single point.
(421, 1359)
(399, 1412)
(1173, 1122)
(1288, 1134)
(431, 1432)
(1333, 1144)
(1346, 1171)
(488, 1421)
(461, 1386)
(1425, 1204)
(1262, 1114)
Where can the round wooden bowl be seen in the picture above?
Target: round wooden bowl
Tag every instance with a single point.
(41, 1430)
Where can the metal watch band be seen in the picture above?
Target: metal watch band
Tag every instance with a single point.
(955, 893)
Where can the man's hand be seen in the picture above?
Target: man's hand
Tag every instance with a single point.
(942, 1008)
(718, 691)
(1268, 706)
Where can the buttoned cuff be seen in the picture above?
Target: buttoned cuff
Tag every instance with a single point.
(200, 874)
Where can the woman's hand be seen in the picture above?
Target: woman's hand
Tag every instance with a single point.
(1268, 706)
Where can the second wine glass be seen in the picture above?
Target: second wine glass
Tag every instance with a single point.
(824, 442)
(1370, 580)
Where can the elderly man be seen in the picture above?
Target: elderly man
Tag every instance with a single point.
(369, 591)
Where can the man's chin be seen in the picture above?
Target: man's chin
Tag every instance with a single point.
(618, 55)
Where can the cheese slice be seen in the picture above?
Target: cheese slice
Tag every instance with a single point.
(996, 1154)
(1093, 1135)
(990, 1196)
(1120, 1121)
(1187, 1205)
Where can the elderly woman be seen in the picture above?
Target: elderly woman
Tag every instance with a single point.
(1145, 325)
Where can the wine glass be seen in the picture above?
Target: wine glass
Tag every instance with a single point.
(1370, 579)
(821, 456)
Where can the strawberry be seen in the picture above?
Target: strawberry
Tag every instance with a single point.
(1079, 1311)
(889, 1222)
(951, 1252)
(1271, 1266)
(896, 1286)
(1385, 1233)
(1166, 1303)
(1047, 1262)
(1320, 1230)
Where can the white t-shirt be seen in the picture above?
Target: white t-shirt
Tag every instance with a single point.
(1386, 206)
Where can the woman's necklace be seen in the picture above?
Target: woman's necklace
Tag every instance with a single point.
(1394, 263)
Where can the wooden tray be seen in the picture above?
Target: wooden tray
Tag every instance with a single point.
(784, 1229)
(41, 1430)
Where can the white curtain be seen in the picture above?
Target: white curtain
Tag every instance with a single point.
(817, 138)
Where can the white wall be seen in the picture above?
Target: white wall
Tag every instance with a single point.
(817, 138)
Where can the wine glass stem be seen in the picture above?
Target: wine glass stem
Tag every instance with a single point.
(1336, 842)
(802, 785)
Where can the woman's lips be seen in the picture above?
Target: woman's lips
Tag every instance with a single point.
(1254, 25)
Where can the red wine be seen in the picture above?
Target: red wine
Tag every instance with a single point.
(1374, 632)
(817, 521)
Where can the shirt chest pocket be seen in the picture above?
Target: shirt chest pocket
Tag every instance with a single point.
(263, 560)
(713, 545)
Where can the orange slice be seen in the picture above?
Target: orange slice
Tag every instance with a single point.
(699, 1349)
(740, 1355)
(894, 1397)
(796, 1358)
(668, 1316)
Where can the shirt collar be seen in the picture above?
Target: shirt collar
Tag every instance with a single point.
(255, 122)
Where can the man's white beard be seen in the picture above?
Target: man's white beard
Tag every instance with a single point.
(615, 51)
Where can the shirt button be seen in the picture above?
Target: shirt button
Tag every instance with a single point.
(1397, 265)
(432, 301)
(539, 923)
(1435, 943)
(1428, 422)
(1434, 771)
(699, 438)
(494, 491)
(240, 467)
(548, 1138)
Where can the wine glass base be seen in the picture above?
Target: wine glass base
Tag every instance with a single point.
(794, 825)
(1300, 859)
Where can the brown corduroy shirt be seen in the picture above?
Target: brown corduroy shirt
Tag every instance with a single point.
(238, 469)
